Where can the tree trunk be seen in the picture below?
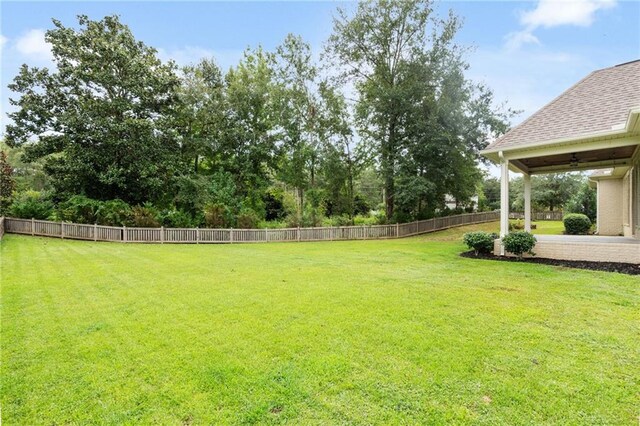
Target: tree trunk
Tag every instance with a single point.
(388, 163)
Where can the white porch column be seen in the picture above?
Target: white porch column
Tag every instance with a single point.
(527, 201)
(504, 197)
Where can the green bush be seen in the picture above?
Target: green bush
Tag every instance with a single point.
(216, 216)
(339, 220)
(248, 219)
(78, 209)
(177, 219)
(519, 243)
(113, 213)
(366, 220)
(584, 201)
(480, 242)
(144, 216)
(576, 224)
(32, 204)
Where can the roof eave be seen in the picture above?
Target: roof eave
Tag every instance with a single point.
(631, 126)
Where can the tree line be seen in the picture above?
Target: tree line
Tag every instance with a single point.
(383, 120)
(568, 192)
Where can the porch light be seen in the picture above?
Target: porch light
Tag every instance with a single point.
(574, 160)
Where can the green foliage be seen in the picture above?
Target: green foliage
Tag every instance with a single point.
(584, 201)
(274, 202)
(217, 216)
(426, 143)
(7, 183)
(548, 192)
(32, 205)
(145, 216)
(479, 241)
(78, 209)
(111, 121)
(247, 219)
(177, 219)
(27, 175)
(102, 118)
(576, 224)
(489, 195)
(519, 243)
(113, 213)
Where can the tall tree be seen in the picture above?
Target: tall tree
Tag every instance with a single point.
(297, 115)
(249, 142)
(423, 119)
(553, 191)
(102, 118)
(7, 183)
(202, 112)
(375, 48)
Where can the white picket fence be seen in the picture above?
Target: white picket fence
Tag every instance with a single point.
(207, 235)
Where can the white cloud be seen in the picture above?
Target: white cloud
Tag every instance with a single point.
(192, 54)
(519, 38)
(554, 13)
(33, 45)
(3, 41)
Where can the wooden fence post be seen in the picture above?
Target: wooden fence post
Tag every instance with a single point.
(397, 230)
(124, 233)
(62, 230)
(266, 235)
(298, 234)
(197, 235)
(95, 232)
(33, 227)
(231, 236)
(162, 235)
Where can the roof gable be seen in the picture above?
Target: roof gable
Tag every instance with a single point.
(600, 102)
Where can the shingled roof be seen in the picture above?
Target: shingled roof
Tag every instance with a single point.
(598, 103)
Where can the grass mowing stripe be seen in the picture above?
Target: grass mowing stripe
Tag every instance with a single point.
(397, 331)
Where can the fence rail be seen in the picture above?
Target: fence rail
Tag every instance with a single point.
(228, 236)
(554, 215)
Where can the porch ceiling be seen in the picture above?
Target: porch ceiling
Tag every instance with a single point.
(584, 160)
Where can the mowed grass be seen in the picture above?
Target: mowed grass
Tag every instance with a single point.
(366, 332)
(544, 227)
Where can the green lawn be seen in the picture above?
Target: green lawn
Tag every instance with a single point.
(546, 227)
(370, 332)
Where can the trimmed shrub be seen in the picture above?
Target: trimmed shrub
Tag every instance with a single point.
(480, 242)
(519, 226)
(519, 243)
(576, 224)
(31, 204)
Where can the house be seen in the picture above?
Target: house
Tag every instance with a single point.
(451, 203)
(594, 125)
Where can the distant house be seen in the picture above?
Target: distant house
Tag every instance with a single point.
(594, 125)
(452, 203)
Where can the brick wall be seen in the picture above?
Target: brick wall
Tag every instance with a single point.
(594, 252)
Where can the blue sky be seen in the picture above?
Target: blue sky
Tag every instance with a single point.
(527, 52)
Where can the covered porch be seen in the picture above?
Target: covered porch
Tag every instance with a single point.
(616, 161)
(593, 126)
